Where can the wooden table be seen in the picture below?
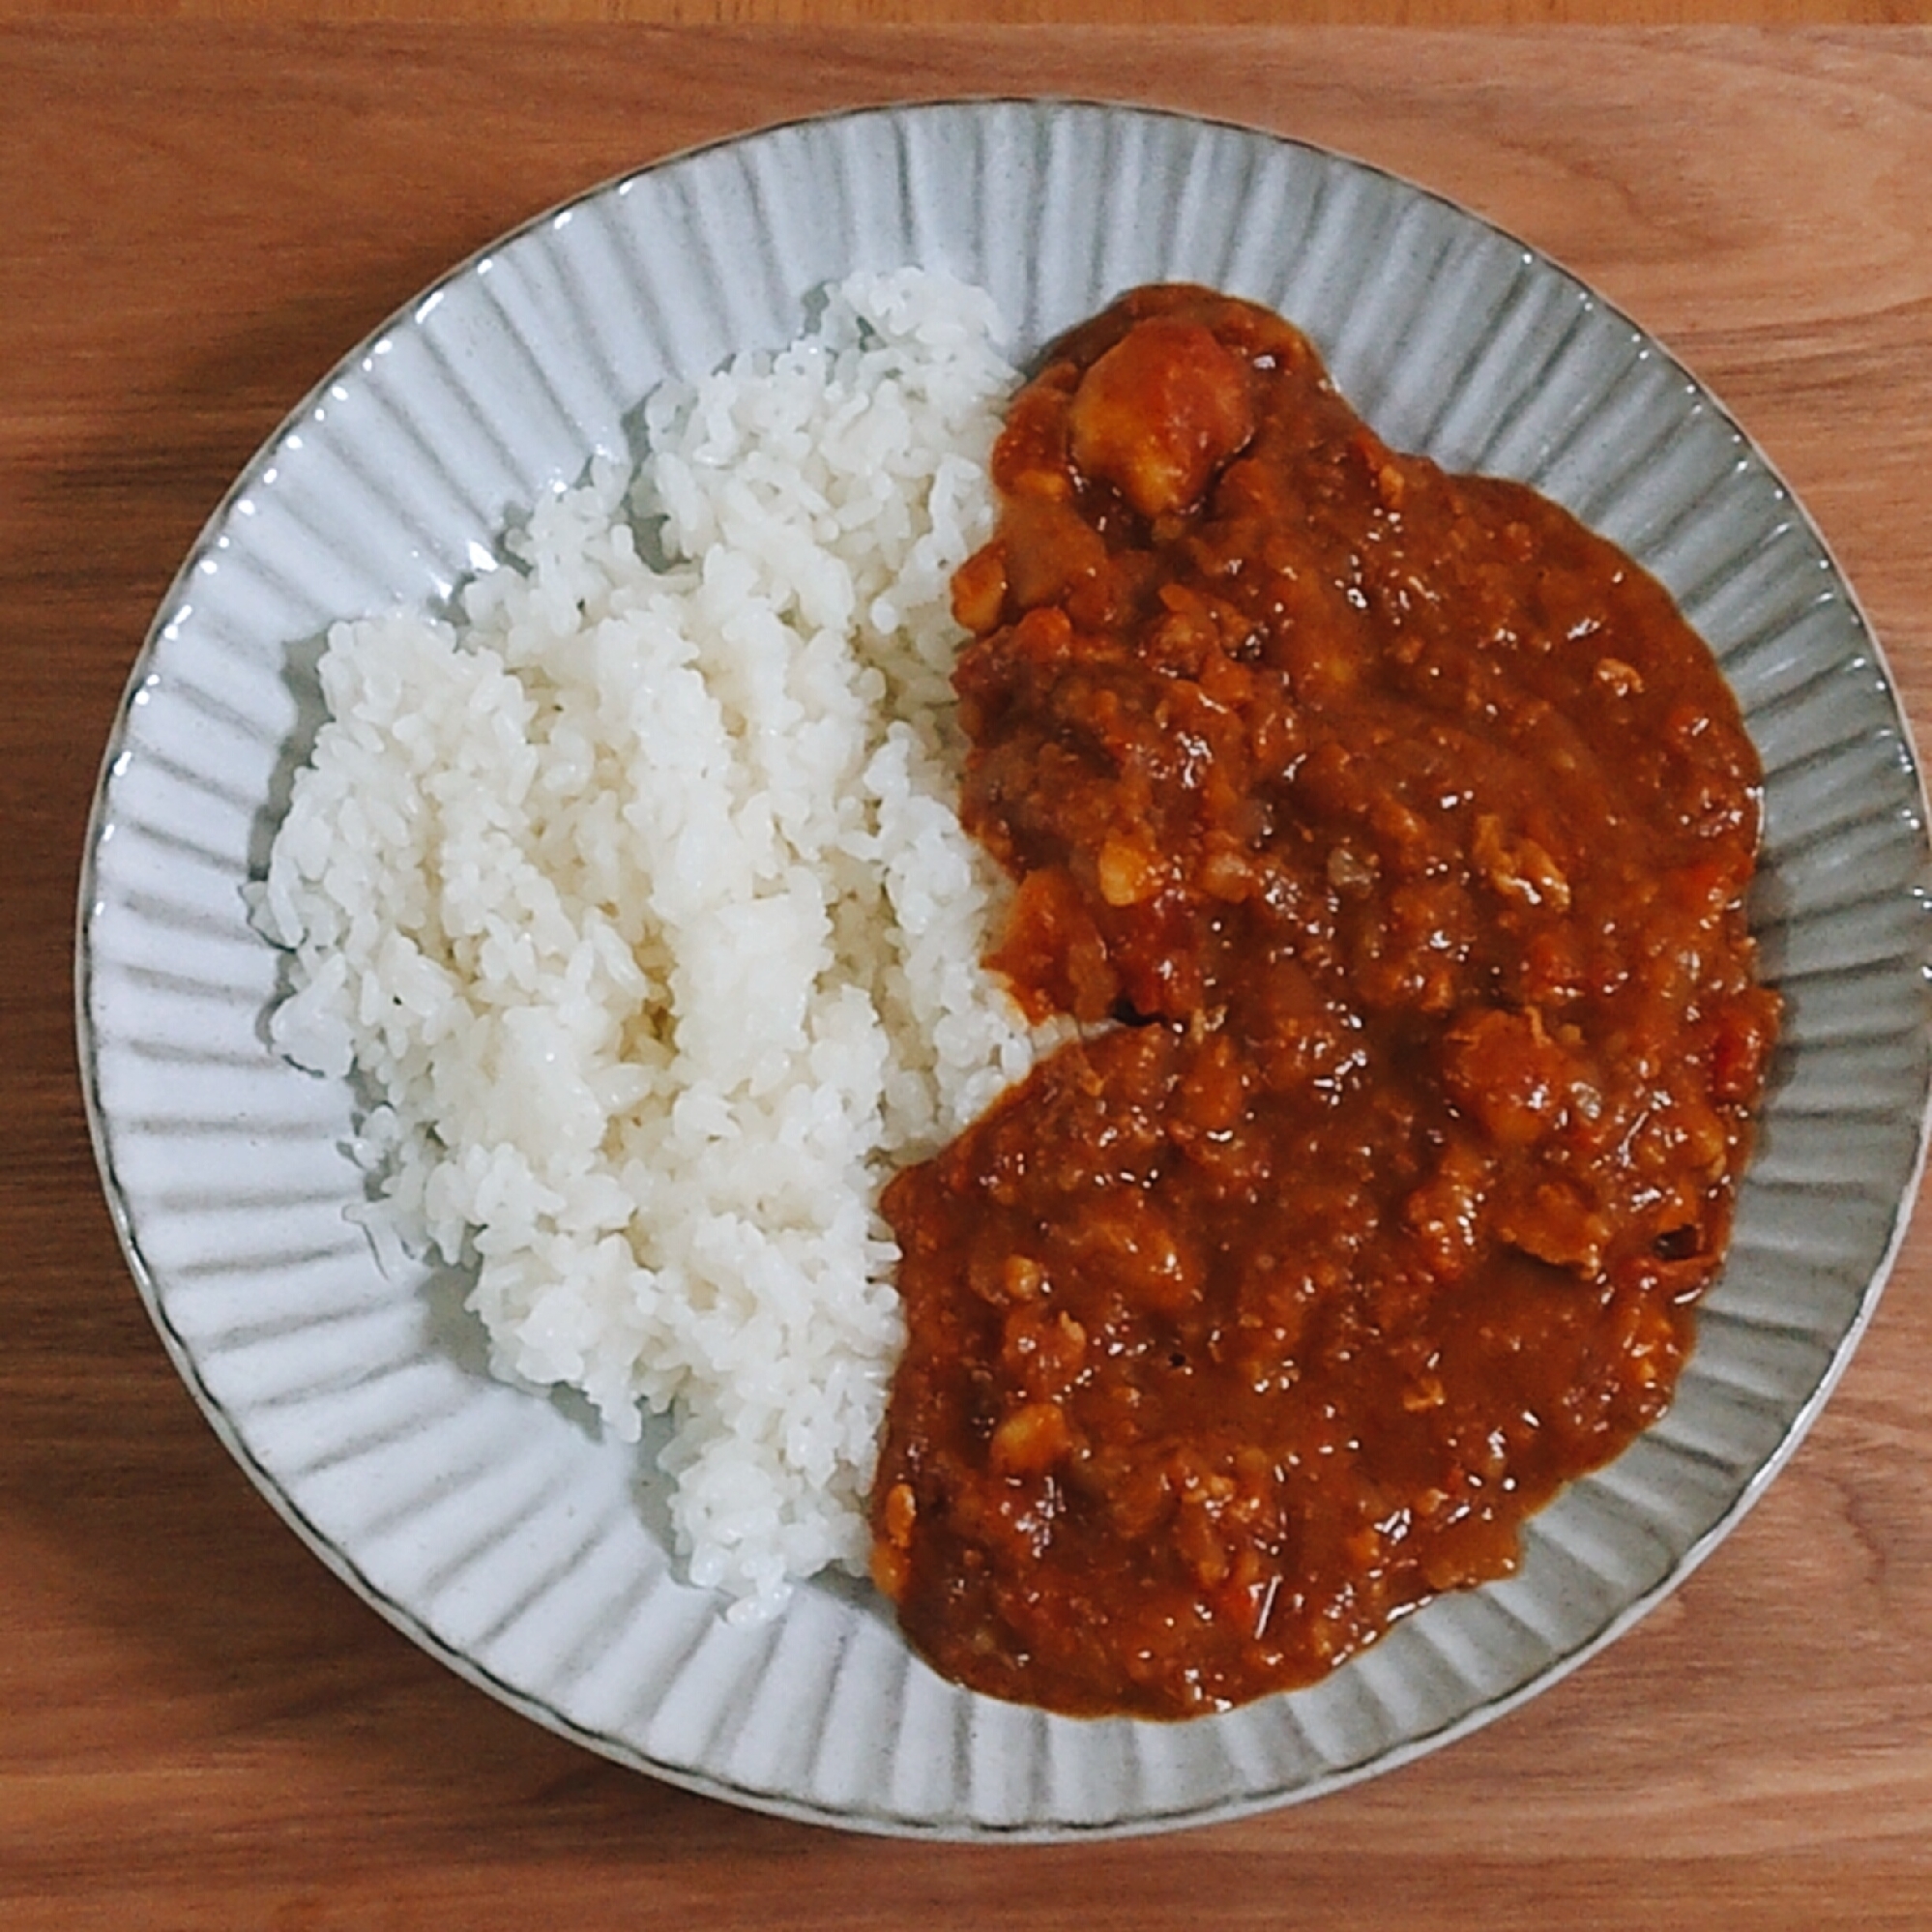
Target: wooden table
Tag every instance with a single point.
(198, 1726)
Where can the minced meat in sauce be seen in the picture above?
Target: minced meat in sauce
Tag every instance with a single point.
(1389, 834)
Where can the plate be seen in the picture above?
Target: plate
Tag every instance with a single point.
(493, 1526)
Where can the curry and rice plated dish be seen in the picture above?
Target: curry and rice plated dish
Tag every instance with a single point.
(647, 875)
(1239, 934)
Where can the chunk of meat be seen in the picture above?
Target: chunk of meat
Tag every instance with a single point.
(1160, 413)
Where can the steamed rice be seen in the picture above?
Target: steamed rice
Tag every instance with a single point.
(635, 901)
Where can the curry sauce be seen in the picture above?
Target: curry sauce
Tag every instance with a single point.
(1388, 833)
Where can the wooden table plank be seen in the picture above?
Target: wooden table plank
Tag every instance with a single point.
(1423, 14)
(198, 1727)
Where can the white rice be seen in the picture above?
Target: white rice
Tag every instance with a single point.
(637, 903)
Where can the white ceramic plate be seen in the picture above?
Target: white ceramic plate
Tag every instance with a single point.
(492, 1526)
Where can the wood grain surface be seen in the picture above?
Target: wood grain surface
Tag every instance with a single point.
(1058, 12)
(200, 1727)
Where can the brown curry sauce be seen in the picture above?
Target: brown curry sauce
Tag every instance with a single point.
(1389, 834)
